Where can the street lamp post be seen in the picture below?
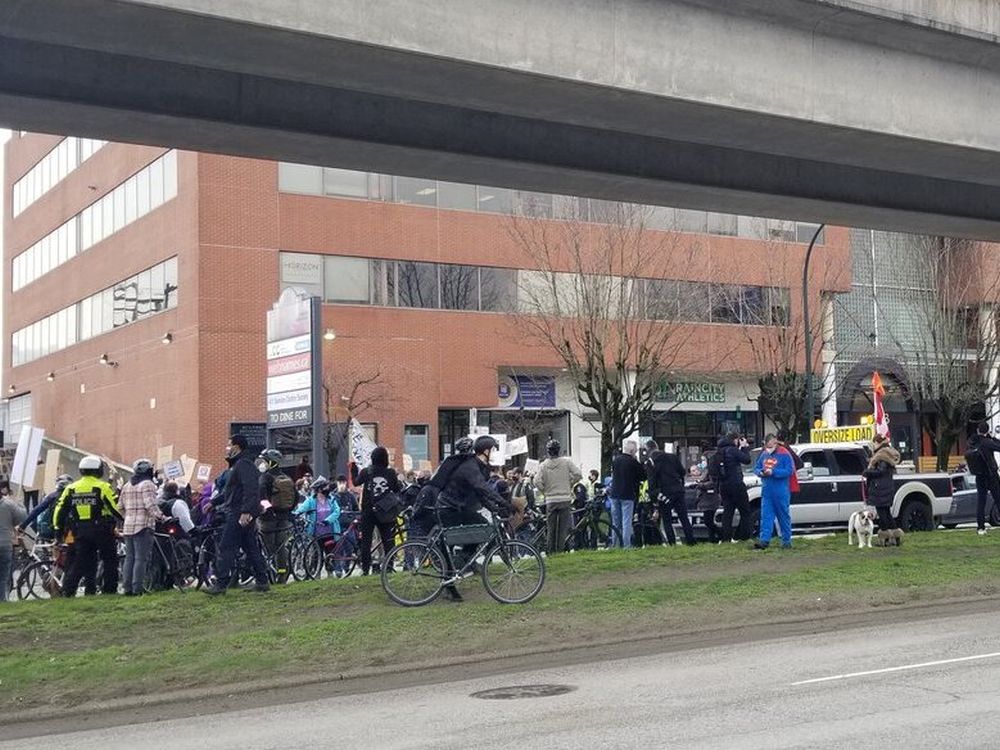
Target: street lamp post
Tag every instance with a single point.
(810, 391)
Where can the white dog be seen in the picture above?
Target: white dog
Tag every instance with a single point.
(862, 524)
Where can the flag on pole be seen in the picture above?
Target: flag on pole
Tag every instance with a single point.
(881, 418)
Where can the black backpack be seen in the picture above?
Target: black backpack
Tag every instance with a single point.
(975, 460)
(717, 466)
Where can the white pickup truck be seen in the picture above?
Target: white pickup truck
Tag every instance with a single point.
(832, 489)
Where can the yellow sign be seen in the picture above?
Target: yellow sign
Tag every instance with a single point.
(852, 434)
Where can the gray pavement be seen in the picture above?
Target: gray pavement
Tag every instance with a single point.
(740, 696)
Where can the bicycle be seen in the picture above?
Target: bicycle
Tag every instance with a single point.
(42, 577)
(591, 529)
(171, 562)
(513, 572)
(340, 554)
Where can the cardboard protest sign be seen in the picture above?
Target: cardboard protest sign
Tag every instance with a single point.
(173, 470)
(203, 473)
(51, 470)
(164, 455)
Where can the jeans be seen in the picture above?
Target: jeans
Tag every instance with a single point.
(775, 505)
(558, 521)
(137, 547)
(621, 517)
(276, 529)
(985, 484)
(234, 538)
(6, 561)
(676, 503)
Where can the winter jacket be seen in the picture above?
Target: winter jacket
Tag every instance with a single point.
(462, 480)
(242, 492)
(555, 480)
(375, 480)
(665, 473)
(881, 488)
(987, 448)
(626, 476)
(734, 459)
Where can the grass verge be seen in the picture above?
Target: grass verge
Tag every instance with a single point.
(65, 652)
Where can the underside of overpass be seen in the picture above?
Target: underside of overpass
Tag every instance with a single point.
(854, 113)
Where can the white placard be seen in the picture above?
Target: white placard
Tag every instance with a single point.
(531, 466)
(288, 347)
(293, 381)
(29, 448)
(289, 400)
(173, 469)
(517, 446)
(203, 472)
(361, 445)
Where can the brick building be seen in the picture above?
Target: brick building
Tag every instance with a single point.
(138, 278)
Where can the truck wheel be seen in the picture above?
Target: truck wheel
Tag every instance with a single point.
(753, 522)
(995, 515)
(915, 515)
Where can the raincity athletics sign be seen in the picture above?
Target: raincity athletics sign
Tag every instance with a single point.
(853, 434)
(687, 392)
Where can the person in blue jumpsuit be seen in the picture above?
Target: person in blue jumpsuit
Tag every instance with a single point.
(775, 468)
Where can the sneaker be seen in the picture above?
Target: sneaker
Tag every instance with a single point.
(760, 545)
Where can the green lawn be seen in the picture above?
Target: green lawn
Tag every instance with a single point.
(64, 652)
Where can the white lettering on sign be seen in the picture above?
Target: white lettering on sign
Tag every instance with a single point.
(288, 347)
(293, 381)
(289, 400)
(285, 365)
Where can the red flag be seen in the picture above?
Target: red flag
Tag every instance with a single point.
(881, 418)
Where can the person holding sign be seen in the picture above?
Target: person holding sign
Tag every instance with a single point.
(380, 504)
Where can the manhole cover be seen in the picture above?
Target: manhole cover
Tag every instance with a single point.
(514, 692)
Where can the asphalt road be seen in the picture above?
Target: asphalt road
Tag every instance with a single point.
(940, 690)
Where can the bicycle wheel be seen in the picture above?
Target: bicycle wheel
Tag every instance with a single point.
(419, 585)
(513, 572)
(36, 582)
(592, 534)
(306, 560)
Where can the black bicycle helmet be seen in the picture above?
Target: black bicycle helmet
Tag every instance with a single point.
(464, 446)
(553, 448)
(272, 456)
(142, 467)
(63, 481)
(485, 443)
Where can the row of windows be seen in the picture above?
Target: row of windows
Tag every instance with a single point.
(147, 293)
(51, 169)
(396, 283)
(310, 180)
(140, 194)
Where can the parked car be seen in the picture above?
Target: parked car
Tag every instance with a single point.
(963, 503)
(832, 488)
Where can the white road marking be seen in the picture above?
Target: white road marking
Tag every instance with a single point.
(994, 655)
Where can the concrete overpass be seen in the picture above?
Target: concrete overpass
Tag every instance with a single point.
(878, 113)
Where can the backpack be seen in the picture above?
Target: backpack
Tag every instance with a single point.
(43, 522)
(717, 466)
(283, 494)
(426, 500)
(976, 462)
(387, 506)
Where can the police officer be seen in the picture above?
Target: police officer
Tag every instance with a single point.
(88, 509)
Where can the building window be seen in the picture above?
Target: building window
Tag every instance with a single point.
(416, 442)
(418, 284)
(497, 289)
(300, 178)
(383, 283)
(50, 170)
(18, 415)
(804, 233)
(459, 287)
(457, 196)
(414, 190)
(347, 280)
(534, 205)
(345, 182)
(495, 200)
(690, 221)
(694, 303)
(662, 299)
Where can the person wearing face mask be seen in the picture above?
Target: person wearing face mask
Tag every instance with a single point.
(275, 523)
(379, 484)
(241, 499)
(775, 467)
(347, 500)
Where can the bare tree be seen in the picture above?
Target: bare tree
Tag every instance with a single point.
(774, 334)
(600, 300)
(949, 340)
(347, 394)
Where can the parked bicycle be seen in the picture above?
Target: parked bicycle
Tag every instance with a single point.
(512, 571)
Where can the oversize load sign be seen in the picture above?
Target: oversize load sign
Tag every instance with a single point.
(852, 434)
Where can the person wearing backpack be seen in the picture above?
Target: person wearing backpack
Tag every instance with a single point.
(380, 504)
(982, 462)
(725, 469)
(40, 517)
(279, 498)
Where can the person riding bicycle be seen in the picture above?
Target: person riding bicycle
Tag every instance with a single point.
(88, 508)
(464, 488)
(40, 517)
